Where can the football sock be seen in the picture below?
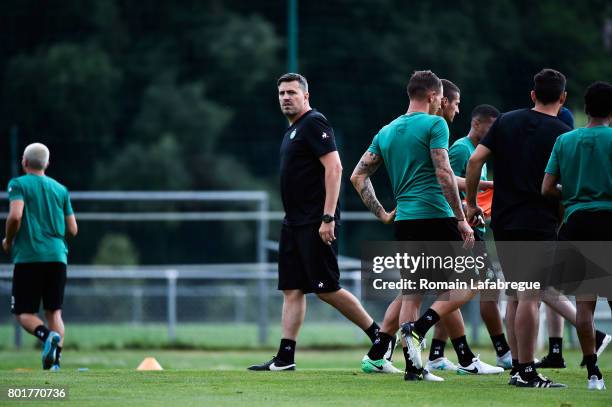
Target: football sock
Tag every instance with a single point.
(591, 365)
(555, 347)
(41, 332)
(500, 344)
(464, 353)
(437, 349)
(286, 350)
(427, 320)
(515, 367)
(372, 331)
(527, 371)
(380, 346)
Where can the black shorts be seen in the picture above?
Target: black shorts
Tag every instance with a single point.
(524, 262)
(305, 262)
(427, 230)
(35, 281)
(593, 226)
(424, 231)
(577, 274)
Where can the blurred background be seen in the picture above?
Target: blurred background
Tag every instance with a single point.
(181, 96)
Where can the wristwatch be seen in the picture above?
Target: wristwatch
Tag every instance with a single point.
(328, 218)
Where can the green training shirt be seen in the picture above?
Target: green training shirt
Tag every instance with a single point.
(405, 145)
(41, 237)
(582, 159)
(459, 155)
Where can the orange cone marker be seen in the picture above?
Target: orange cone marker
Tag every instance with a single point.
(149, 364)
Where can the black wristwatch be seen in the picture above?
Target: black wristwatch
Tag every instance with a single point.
(328, 218)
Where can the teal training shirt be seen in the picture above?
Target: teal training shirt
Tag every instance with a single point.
(459, 155)
(41, 237)
(405, 146)
(582, 159)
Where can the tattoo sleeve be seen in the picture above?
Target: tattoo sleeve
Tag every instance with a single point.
(447, 181)
(367, 166)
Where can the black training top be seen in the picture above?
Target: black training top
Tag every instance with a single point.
(302, 175)
(521, 141)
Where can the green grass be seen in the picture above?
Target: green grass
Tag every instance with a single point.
(191, 336)
(323, 378)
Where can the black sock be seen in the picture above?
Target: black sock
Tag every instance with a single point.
(599, 337)
(500, 344)
(427, 320)
(515, 367)
(286, 350)
(437, 349)
(380, 346)
(527, 370)
(372, 331)
(464, 353)
(555, 347)
(58, 355)
(591, 365)
(41, 332)
(409, 366)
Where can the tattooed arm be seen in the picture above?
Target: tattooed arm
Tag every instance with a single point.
(360, 179)
(448, 183)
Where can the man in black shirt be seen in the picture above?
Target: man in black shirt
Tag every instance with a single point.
(310, 174)
(521, 142)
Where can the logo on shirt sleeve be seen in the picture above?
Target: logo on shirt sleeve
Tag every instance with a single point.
(292, 135)
(324, 136)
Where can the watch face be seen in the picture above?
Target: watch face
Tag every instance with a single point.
(327, 218)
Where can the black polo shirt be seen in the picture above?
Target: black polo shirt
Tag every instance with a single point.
(302, 176)
(521, 141)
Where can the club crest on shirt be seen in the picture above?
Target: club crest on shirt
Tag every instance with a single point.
(292, 135)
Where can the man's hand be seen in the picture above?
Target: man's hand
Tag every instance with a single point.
(6, 246)
(388, 217)
(326, 232)
(473, 213)
(467, 234)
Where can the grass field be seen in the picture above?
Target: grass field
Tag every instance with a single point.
(323, 378)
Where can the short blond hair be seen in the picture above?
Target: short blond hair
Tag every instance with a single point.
(37, 156)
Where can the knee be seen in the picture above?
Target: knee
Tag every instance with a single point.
(55, 315)
(325, 296)
(293, 295)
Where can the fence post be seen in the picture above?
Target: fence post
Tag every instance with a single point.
(262, 236)
(171, 276)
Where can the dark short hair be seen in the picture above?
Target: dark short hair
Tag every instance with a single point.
(451, 91)
(482, 111)
(598, 99)
(548, 85)
(293, 77)
(422, 82)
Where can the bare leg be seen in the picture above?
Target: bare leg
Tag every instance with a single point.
(453, 323)
(456, 299)
(294, 310)
(510, 323)
(563, 306)
(585, 327)
(526, 326)
(489, 312)
(54, 319)
(349, 306)
(554, 323)
(440, 331)
(390, 324)
(29, 322)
